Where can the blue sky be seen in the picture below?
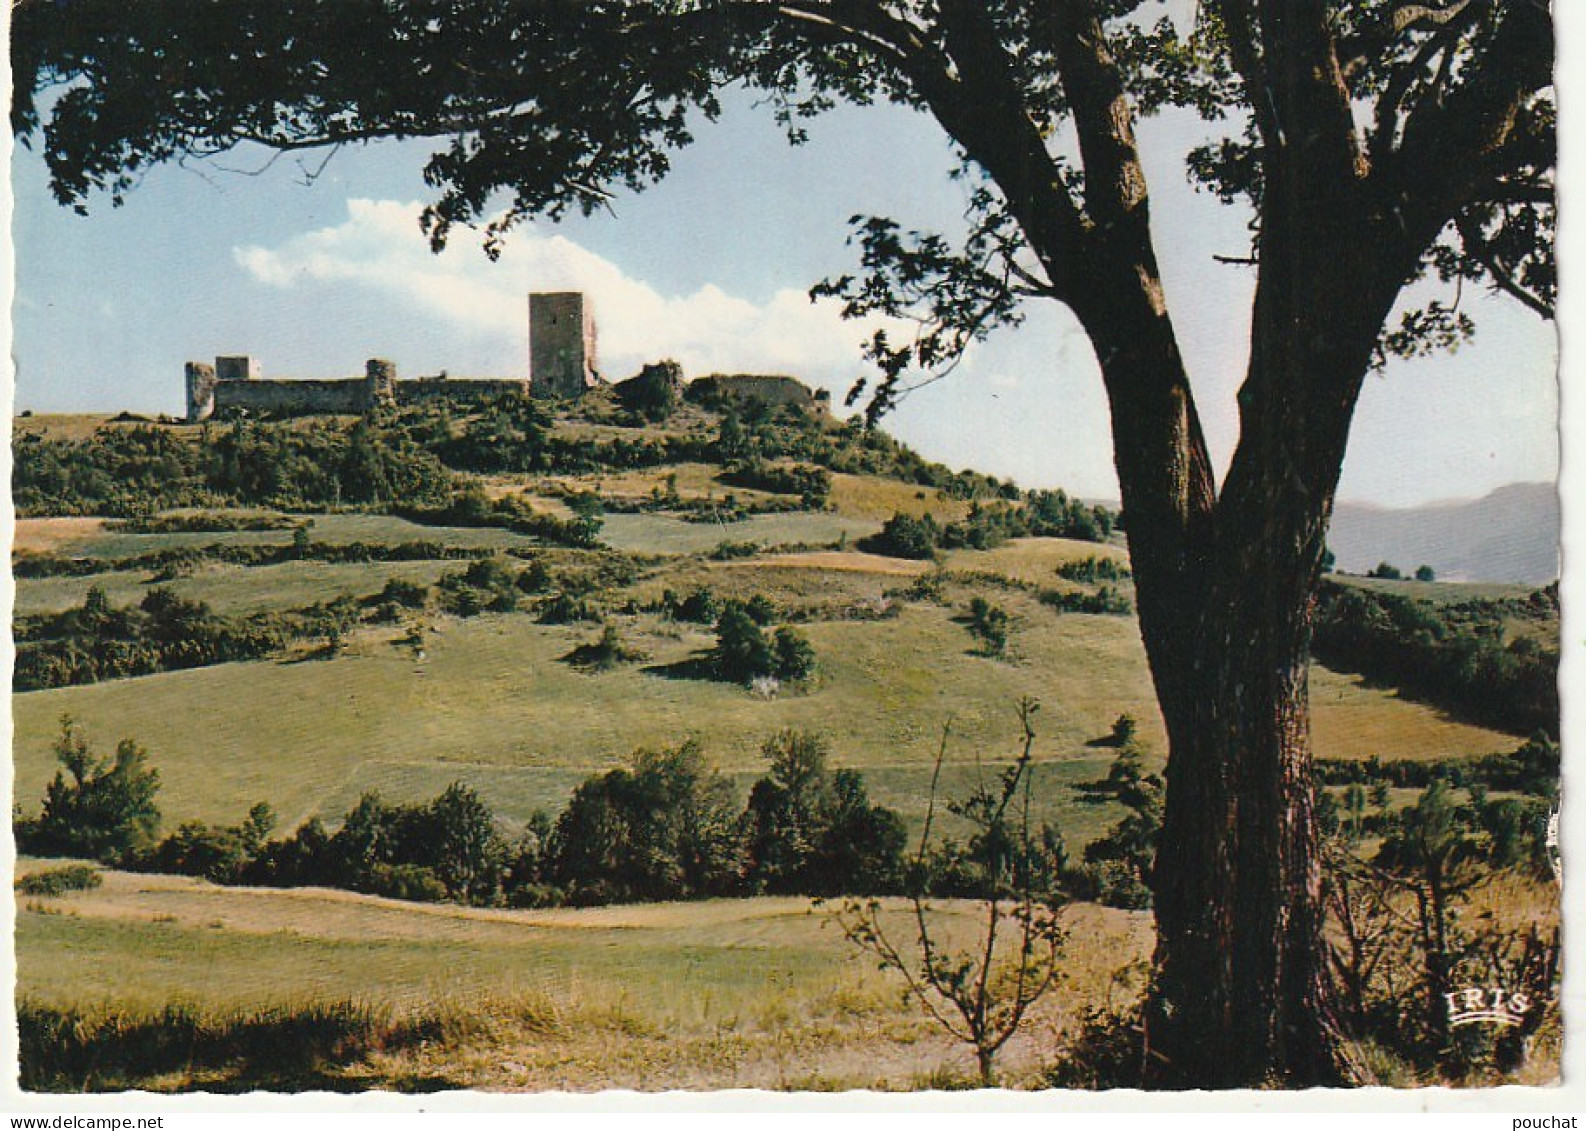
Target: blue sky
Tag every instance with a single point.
(711, 267)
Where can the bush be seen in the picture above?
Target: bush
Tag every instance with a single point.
(104, 810)
(1106, 601)
(59, 881)
(989, 625)
(904, 536)
(1093, 569)
(406, 594)
(567, 609)
(604, 653)
(741, 652)
(222, 855)
(731, 551)
(699, 607)
(794, 656)
(761, 609)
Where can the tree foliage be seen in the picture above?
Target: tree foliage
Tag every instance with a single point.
(96, 807)
(664, 827)
(813, 830)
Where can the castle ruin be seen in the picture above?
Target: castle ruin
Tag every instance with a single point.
(561, 367)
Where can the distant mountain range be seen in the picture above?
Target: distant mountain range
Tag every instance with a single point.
(1511, 535)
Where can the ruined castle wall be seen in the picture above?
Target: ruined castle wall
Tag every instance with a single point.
(292, 398)
(424, 391)
(767, 389)
(561, 344)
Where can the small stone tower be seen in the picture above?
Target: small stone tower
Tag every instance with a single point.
(379, 384)
(242, 368)
(200, 391)
(561, 345)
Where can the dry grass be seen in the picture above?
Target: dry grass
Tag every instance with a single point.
(693, 481)
(865, 496)
(1353, 719)
(54, 535)
(839, 561)
(493, 705)
(62, 426)
(744, 993)
(235, 589)
(1034, 560)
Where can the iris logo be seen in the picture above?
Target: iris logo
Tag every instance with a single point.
(1493, 1005)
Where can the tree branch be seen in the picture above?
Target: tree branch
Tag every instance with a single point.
(1481, 251)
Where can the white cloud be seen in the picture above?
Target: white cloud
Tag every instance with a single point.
(379, 247)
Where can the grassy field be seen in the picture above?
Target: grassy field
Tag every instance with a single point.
(742, 993)
(235, 589)
(494, 705)
(94, 538)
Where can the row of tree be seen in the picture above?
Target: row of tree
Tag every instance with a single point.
(1459, 657)
(665, 826)
(136, 470)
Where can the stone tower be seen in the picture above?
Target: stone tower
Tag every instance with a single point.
(379, 384)
(561, 344)
(200, 391)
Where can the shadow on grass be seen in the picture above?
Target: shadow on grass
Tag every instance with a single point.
(313, 1047)
(313, 655)
(701, 665)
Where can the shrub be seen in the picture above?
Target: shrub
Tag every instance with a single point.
(699, 607)
(794, 657)
(406, 594)
(741, 652)
(104, 809)
(604, 653)
(989, 625)
(730, 551)
(566, 609)
(535, 578)
(1093, 569)
(220, 854)
(1106, 601)
(59, 881)
(761, 609)
(904, 536)
(1117, 868)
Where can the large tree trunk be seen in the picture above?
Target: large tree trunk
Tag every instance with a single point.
(1242, 996)
(1225, 587)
